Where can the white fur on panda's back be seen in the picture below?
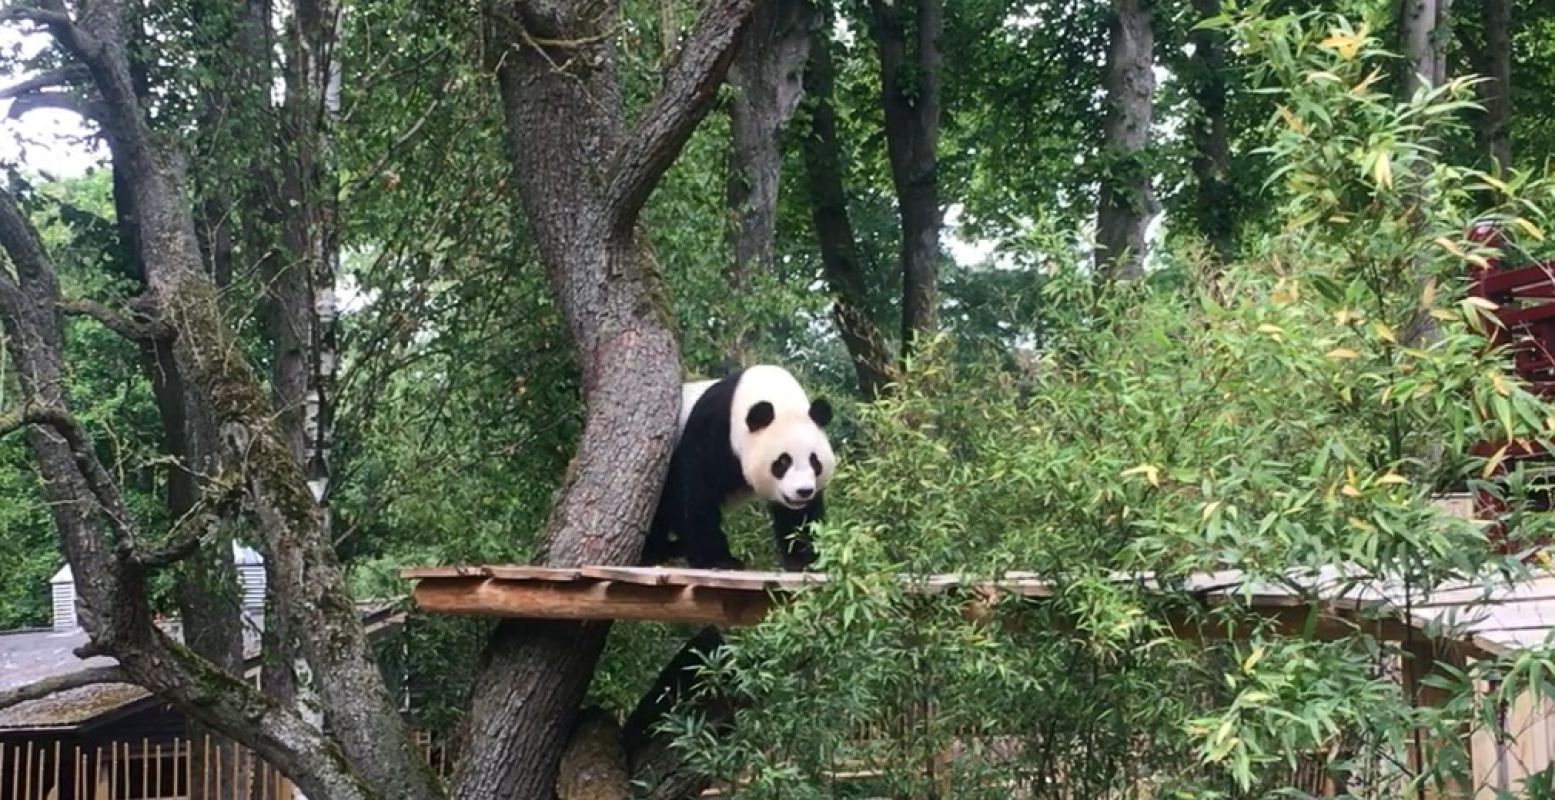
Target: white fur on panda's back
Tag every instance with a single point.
(690, 393)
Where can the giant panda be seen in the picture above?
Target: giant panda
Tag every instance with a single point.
(754, 433)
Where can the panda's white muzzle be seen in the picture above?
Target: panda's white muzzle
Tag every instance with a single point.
(800, 498)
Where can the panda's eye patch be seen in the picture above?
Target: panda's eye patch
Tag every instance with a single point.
(815, 464)
(781, 465)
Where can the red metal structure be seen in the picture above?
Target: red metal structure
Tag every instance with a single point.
(1525, 305)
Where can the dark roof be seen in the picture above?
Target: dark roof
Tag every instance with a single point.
(29, 656)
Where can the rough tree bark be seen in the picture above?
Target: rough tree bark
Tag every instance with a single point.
(1126, 202)
(583, 179)
(765, 75)
(910, 88)
(1422, 31)
(822, 151)
(371, 736)
(1211, 136)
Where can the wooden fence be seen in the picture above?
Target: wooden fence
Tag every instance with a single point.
(149, 769)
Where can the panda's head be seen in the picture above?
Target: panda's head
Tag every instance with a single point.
(786, 456)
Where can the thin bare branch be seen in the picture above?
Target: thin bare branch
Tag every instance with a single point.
(62, 683)
(49, 79)
(42, 16)
(690, 84)
(62, 101)
(133, 326)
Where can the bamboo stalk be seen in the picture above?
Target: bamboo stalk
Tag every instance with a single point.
(159, 768)
(145, 767)
(59, 791)
(218, 763)
(27, 772)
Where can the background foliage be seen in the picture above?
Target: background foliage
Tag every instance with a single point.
(1282, 411)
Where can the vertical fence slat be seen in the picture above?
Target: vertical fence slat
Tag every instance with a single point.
(42, 770)
(26, 768)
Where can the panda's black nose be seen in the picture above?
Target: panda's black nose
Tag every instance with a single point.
(805, 494)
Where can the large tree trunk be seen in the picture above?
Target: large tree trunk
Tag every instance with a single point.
(301, 274)
(765, 75)
(1126, 203)
(1421, 24)
(207, 589)
(822, 151)
(582, 180)
(910, 92)
(1211, 137)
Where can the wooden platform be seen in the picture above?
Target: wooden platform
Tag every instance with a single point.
(1331, 602)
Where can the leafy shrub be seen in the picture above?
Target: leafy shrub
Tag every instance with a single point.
(1296, 411)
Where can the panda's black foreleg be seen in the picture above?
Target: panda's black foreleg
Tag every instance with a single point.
(659, 547)
(790, 527)
(702, 535)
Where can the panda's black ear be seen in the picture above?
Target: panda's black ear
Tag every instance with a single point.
(759, 416)
(820, 411)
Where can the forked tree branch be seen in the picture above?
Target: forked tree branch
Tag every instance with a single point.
(135, 327)
(690, 85)
(112, 591)
(62, 683)
(192, 530)
(104, 490)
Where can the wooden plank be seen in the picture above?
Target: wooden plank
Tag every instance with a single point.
(726, 597)
(514, 572)
(703, 605)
